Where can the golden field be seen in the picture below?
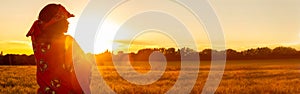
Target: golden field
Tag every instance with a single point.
(240, 77)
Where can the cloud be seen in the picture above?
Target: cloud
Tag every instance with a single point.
(16, 43)
(16, 47)
(128, 42)
(296, 46)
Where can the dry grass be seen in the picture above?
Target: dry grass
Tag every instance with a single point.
(240, 77)
(17, 80)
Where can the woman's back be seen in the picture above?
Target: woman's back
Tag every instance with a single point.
(55, 52)
(55, 71)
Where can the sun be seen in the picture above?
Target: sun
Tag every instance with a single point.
(105, 36)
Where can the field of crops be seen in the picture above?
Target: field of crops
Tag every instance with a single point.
(240, 77)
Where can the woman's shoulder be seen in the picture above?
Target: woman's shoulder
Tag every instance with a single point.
(68, 36)
(63, 37)
(67, 39)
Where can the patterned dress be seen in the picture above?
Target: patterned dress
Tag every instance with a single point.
(55, 67)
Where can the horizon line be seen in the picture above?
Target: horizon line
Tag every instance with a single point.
(176, 49)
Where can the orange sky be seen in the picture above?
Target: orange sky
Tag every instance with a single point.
(246, 24)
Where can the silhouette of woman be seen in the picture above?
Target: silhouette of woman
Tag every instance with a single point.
(54, 53)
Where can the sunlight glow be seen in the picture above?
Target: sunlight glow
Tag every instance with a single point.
(72, 26)
(259, 28)
(105, 36)
(299, 36)
(118, 16)
(145, 40)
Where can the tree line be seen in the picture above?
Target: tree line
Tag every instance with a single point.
(172, 54)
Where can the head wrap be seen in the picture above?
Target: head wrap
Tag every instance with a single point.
(49, 15)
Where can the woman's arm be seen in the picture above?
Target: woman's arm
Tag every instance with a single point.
(82, 64)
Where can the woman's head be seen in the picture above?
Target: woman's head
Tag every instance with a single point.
(48, 12)
(53, 20)
(59, 27)
(54, 17)
(54, 12)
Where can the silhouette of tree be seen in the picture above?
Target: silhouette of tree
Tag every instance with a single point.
(205, 54)
(232, 54)
(284, 52)
(103, 57)
(171, 51)
(263, 53)
(187, 51)
(171, 55)
(250, 52)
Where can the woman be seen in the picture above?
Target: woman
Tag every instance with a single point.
(54, 53)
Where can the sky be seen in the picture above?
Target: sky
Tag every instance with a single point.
(246, 24)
